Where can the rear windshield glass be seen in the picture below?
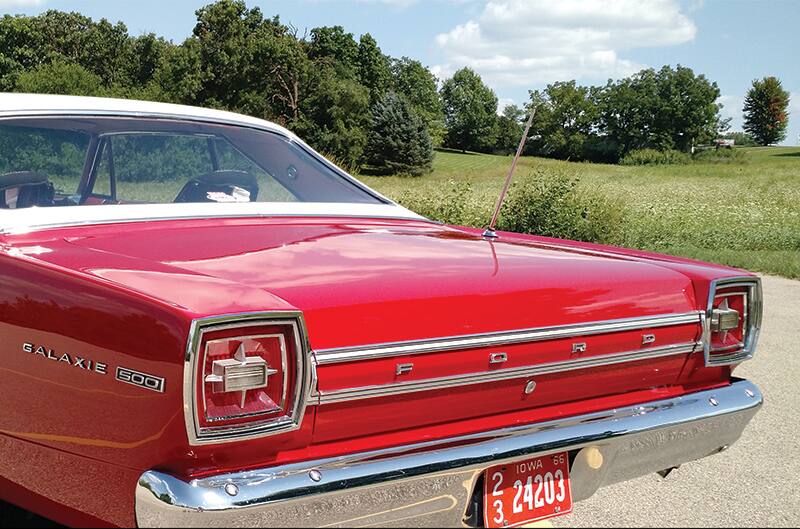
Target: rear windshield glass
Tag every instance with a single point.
(103, 161)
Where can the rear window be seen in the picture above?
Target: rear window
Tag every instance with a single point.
(105, 161)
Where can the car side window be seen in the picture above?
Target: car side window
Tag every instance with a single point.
(34, 160)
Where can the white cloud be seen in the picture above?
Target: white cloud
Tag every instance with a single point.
(20, 3)
(531, 42)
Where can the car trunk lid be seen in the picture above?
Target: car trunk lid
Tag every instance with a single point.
(417, 324)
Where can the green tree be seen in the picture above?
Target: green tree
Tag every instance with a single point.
(247, 63)
(687, 112)
(100, 47)
(398, 140)
(668, 109)
(766, 114)
(509, 129)
(373, 68)
(21, 44)
(334, 46)
(336, 115)
(626, 112)
(419, 87)
(147, 54)
(470, 109)
(60, 78)
(180, 74)
(226, 33)
(566, 116)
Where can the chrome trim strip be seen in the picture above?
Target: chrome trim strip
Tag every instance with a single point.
(386, 487)
(400, 388)
(305, 373)
(371, 352)
(752, 319)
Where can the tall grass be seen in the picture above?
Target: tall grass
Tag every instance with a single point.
(744, 214)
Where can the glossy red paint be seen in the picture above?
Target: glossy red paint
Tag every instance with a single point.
(126, 295)
(383, 281)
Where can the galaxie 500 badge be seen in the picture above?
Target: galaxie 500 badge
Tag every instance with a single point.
(123, 374)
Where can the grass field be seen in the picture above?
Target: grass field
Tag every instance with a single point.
(744, 214)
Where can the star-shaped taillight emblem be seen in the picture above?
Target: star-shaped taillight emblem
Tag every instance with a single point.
(724, 319)
(241, 373)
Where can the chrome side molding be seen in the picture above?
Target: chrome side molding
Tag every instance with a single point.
(387, 350)
(400, 388)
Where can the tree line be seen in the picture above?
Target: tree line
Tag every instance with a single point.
(346, 97)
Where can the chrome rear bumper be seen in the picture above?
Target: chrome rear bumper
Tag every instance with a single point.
(430, 484)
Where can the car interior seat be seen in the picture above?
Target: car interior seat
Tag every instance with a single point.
(25, 189)
(211, 186)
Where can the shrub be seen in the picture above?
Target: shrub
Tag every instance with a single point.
(454, 203)
(544, 203)
(655, 157)
(553, 205)
(719, 156)
(600, 149)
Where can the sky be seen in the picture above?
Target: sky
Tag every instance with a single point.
(519, 45)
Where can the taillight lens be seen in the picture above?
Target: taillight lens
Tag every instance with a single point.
(248, 378)
(733, 321)
(244, 377)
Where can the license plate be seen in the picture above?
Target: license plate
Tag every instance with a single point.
(528, 491)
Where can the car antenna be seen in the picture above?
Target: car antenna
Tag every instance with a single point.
(490, 232)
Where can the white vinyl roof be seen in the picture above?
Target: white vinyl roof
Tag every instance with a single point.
(12, 104)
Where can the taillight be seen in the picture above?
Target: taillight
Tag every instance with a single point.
(732, 320)
(247, 376)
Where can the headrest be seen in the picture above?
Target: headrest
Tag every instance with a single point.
(238, 178)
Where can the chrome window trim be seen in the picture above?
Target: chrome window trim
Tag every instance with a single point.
(388, 350)
(305, 377)
(752, 320)
(400, 388)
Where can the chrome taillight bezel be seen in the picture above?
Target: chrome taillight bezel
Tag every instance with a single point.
(199, 435)
(751, 287)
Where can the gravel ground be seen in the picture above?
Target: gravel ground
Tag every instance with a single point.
(757, 482)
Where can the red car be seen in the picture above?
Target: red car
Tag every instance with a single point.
(203, 322)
